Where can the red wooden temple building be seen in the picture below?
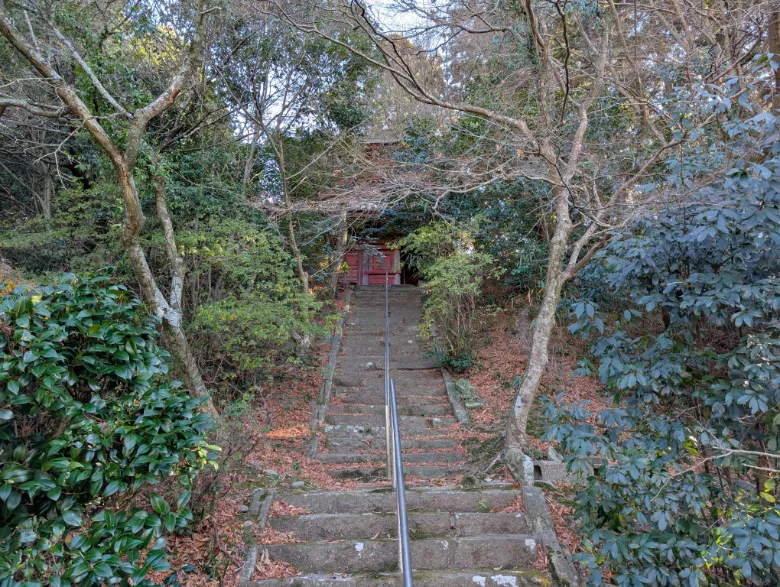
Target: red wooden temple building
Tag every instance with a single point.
(368, 262)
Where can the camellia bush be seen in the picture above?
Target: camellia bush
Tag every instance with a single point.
(89, 423)
(686, 491)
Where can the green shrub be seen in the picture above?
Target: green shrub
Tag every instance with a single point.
(443, 255)
(249, 308)
(88, 421)
(458, 363)
(687, 493)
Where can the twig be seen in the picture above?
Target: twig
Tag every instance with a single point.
(239, 563)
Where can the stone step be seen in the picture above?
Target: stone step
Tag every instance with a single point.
(456, 553)
(359, 354)
(410, 423)
(411, 470)
(373, 347)
(355, 365)
(425, 387)
(370, 432)
(314, 527)
(378, 301)
(471, 578)
(361, 376)
(398, 307)
(351, 444)
(438, 397)
(424, 499)
(378, 458)
(371, 328)
(404, 384)
(415, 397)
(440, 409)
(357, 322)
(410, 304)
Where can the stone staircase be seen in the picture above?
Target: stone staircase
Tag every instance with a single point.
(459, 538)
(354, 435)
(350, 539)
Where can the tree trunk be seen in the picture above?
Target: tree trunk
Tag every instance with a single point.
(124, 163)
(298, 258)
(250, 162)
(171, 317)
(515, 442)
(774, 48)
(338, 254)
(48, 192)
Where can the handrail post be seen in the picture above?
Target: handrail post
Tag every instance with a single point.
(404, 554)
(388, 427)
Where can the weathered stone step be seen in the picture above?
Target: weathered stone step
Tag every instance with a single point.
(426, 499)
(358, 364)
(400, 309)
(333, 458)
(374, 298)
(315, 527)
(349, 398)
(368, 432)
(358, 376)
(348, 443)
(471, 578)
(425, 387)
(419, 471)
(483, 551)
(410, 423)
(440, 409)
(429, 396)
(374, 327)
(360, 355)
(396, 340)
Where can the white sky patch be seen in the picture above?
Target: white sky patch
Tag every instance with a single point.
(397, 19)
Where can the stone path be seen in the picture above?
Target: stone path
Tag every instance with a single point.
(347, 538)
(354, 436)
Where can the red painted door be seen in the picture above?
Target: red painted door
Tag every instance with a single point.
(355, 261)
(381, 264)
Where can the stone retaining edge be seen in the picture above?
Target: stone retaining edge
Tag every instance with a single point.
(561, 565)
(259, 508)
(318, 417)
(461, 413)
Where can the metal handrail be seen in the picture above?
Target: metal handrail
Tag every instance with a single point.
(388, 433)
(395, 465)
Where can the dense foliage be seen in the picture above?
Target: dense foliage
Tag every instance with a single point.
(453, 272)
(89, 422)
(689, 495)
(623, 154)
(251, 309)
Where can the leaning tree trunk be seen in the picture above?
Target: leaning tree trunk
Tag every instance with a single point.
(124, 163)
(170, 313)
(516, 441)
